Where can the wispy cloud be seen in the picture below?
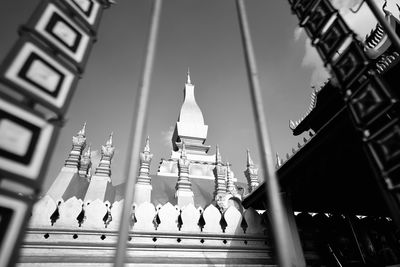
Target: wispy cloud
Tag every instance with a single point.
(298, 32)
(313, 61)
(166, 136)
(361, 23)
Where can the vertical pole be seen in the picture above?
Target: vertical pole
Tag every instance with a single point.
(349, 221)
(386, 26)
(138, 124)
(282, 235)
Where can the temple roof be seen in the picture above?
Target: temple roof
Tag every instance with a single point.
(329, 174)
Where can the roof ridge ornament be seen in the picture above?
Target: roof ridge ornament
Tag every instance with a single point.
(387, 13)
(278, 161)
(313, 103)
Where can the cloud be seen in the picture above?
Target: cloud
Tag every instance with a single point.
(313, 61)
(166, 136)
(298, 32)
(361, 23)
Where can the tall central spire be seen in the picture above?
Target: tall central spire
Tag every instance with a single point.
(190, 126)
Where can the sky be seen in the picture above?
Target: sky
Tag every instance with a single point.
(204, 36)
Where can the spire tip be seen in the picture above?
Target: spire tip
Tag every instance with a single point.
(82, 131)
(110, 139)
(188, 80)
(147, 145)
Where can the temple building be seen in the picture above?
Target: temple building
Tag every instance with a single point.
(189, 176)
(189, 212)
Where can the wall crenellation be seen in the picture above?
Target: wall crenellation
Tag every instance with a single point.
(74, 214)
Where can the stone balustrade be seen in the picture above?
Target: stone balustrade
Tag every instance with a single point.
(74, 214)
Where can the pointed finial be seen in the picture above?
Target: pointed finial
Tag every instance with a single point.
(218, 155)
(82, 132)
(249, 160)
(110, 140)
(188, 81)
(147, 145)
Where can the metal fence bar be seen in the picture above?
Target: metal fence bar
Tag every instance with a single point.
(138, 124)
(279, 219)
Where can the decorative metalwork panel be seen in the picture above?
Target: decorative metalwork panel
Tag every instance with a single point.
(331, 39)
(301, 7)
(34, 71)
(370, 101)
(89, 11)
(25, 141)
(14, 212)
(40, 74)
(52, 24)
(385, 146)
(350, 64)
(319, 15)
